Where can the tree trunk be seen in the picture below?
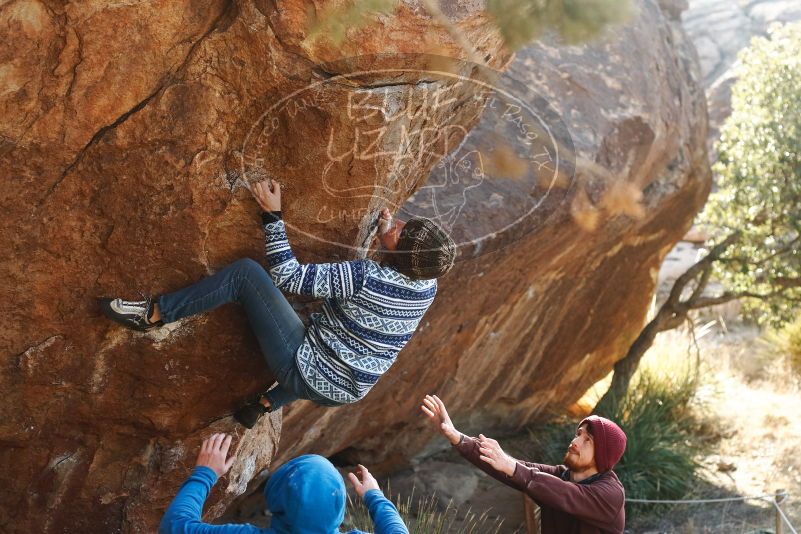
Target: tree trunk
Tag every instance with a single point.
(666, 319)
(672, 313)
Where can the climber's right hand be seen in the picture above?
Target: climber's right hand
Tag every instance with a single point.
(213, 452)
(268, 194)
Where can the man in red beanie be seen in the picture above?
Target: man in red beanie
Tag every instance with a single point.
(583, 496)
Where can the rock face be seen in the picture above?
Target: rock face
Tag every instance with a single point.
(128, 133)
(124, 147)
(520, 330)
(720, 29)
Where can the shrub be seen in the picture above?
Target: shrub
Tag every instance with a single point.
(660, 458)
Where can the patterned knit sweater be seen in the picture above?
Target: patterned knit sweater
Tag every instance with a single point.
(369, 313)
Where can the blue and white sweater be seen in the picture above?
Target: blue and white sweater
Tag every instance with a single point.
(369, 313)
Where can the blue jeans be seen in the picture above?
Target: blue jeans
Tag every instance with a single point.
(278, 328)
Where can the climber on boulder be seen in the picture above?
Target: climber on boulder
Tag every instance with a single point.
(370, 311)
(306, 494)
(583, 496)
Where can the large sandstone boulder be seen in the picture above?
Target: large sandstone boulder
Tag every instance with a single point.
(126, 138)
(128, 132)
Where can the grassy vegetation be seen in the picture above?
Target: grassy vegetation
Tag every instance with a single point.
(660, 459)
(422, 515)
(681, 416)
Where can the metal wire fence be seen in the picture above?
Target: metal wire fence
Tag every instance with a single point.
(728, 523)
(777, 500)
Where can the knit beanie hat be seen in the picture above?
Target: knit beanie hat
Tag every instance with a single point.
(424, 250)
(609, 440)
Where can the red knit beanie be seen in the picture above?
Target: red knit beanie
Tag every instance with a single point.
(609, 440)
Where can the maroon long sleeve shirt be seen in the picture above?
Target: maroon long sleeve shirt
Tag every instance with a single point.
(593, 506)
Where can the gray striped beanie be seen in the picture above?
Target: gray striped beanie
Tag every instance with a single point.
(424, 250)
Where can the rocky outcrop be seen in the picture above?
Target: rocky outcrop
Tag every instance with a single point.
(720, 29)
(123, 154)
(128, 133)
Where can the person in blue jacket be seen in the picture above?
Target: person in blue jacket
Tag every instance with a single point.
(305, 496)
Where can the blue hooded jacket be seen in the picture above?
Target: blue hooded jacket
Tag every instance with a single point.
(305, 496)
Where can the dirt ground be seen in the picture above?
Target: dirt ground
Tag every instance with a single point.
(753, 395)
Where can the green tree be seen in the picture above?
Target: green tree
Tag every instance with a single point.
(759, 179)
(755, 214)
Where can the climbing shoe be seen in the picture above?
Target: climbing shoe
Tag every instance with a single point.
(131, 313)
(250, 413)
